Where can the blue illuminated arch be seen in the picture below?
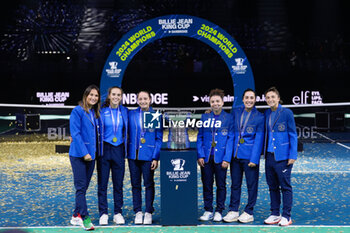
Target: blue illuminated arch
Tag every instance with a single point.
(178, 25)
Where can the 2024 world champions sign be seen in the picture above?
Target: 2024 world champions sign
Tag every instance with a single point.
(178, 25)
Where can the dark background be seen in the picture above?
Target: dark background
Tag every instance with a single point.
(62, 46)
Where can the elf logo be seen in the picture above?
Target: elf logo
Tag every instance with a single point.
(308, 97)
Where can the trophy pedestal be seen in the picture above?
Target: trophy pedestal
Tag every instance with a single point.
(178, 186)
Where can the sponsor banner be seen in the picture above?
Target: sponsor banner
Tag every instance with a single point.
(52, 98)
(156, 98)
(308, 97)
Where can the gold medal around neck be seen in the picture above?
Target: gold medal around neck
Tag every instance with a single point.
(143, 140)
(115, 139)
(241, 140)
(213, 144)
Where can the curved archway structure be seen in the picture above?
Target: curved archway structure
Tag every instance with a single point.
(178, 25)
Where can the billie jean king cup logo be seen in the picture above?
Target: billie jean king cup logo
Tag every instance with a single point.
(113, 72)
(178, 164)
(239, 68)
(151, 120)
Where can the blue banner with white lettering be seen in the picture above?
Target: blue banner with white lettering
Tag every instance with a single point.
(178, 25)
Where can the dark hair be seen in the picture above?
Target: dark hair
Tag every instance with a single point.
(107, 101)
(149, 95)
(274, 89)
(218, 92)
(247, 90)
(84, 104)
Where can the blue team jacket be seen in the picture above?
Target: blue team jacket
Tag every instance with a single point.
(253, 135)
(223, 138)
(124, 112)
(150, 150)
(285, 138)
(82, 130)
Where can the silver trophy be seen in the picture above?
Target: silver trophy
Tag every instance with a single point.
(178, 132)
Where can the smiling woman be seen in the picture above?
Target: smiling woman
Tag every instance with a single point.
(86, 144)
(143, 155)
(214, 152)
(115, 128)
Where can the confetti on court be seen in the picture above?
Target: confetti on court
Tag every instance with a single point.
(36, 187)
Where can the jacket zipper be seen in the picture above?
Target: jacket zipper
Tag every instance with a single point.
(136, 153)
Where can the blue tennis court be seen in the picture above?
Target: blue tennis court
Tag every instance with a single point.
(37, 189)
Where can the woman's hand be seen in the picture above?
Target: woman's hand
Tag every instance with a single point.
(250, 164)
(225, 164)
(154, 164)
(290, 161)
(88, 157)
(200, 162)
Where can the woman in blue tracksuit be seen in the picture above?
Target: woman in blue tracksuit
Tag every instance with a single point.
(143, 154)
(115, 127)
(214, 152)
(280, 150)
(85, 129)
(249, 140)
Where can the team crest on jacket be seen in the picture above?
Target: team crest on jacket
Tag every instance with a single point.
(224, 132)
(250, 129)
(281, 127)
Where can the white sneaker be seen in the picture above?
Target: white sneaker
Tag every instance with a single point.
(119, 219)
(147, 220)
(245, 217)
(104, 219)
(138, 218)
(217, 217)
(285, 222)
(76, 221)
(272, 219)
(231, 216)
(206, 216)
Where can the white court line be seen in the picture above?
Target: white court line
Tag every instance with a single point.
(158, 226)
(320, 172)
(181, 108)
(338, 143)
